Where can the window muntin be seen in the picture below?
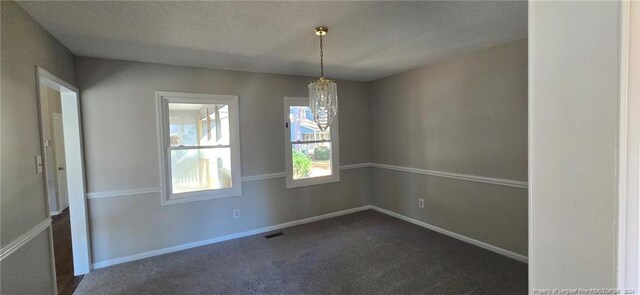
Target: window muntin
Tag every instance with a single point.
(199, 146)
(312, 154)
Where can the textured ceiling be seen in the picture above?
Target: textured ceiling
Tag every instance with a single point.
(366, 40)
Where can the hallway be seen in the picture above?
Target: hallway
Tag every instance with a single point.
(61, 227)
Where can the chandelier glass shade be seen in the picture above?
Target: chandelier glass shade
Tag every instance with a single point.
(323, 93)
(323, 101)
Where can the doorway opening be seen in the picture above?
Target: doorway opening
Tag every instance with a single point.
(63, 170)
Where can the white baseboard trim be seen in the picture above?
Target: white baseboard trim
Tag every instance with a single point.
(119, 260)
(152, 253)
(24, 238)
(460, 237)
(54, 213)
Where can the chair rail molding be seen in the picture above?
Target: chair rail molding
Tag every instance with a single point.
(355, 166)
(154, 189)
(466, 177)
(263, 176)
(24, 238)
(123, 192)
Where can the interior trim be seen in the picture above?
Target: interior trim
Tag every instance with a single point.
(24, 239)
(264, 176)
(124, 192)
(144, 190)
(119, 260)
(162, 251)
(284, 174)
(54, 213)
(454, 235)
(467, 177)
(355, 166)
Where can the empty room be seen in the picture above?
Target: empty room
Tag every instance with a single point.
(319, 147)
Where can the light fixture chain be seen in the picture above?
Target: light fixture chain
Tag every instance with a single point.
(321, 59)
(323, 96)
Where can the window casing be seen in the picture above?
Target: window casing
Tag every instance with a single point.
(312, 155)
(199, 146)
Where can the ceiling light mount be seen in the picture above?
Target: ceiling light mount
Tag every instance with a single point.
(321, 31)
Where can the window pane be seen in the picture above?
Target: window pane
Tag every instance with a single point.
(311, 160)
(193, 124)
(200, 169)
(303, 128)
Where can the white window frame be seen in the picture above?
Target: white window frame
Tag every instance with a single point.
(335, 148)
(163, 98)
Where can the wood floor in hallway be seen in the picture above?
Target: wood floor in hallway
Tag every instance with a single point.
(66, 281)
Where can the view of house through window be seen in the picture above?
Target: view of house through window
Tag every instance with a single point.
(310, 146)
(311, 154)
(200, 152)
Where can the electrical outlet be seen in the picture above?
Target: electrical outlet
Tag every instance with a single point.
(236, 213)
(421, 203)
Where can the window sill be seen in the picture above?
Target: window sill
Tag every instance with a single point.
(201, 196)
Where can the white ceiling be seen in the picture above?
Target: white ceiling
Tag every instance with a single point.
(366, 40)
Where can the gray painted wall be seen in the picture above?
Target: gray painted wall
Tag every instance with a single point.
(466, 115)
(574, 79)
(121, 149)
(121, 152)
(25, 44)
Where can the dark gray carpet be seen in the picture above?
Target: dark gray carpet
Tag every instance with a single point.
(361, 253)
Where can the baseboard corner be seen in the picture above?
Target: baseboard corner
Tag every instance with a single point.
(454, 235)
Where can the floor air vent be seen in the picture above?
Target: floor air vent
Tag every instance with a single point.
(273, 235)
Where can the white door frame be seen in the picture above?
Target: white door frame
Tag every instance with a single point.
(628, 252)
(76, 190)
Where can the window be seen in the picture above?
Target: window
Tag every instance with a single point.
(311, 154)
(199, 146)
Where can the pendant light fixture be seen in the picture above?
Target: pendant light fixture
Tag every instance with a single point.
(323, 93)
